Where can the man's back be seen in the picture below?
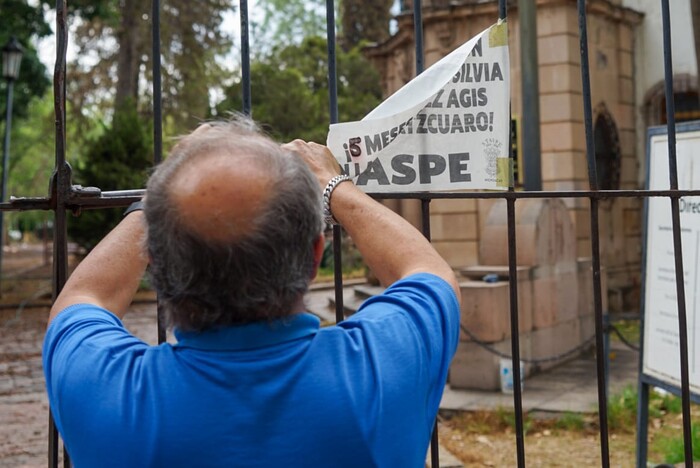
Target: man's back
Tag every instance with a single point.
(266, 394)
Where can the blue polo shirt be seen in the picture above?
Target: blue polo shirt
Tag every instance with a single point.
(286, 393)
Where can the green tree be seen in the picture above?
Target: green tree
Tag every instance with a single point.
(288, 22)
(118, 159)
(191, 38)
(289, 90)
(365, 21)
(24, 20)
(31, 160)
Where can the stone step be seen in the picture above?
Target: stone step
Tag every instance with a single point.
(320, 300)
(351, 302)
(477, 272)
(365, 291)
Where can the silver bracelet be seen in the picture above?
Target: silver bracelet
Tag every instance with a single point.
(332, 184)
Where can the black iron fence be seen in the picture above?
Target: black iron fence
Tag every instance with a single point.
(65, 197)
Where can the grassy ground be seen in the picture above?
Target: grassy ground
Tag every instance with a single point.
(569, 439)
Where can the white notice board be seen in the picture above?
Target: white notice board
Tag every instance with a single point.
(661, 359)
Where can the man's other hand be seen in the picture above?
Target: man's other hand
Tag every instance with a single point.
(318, 157)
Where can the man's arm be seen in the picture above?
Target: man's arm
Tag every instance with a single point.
(109, 276)
(389, 244)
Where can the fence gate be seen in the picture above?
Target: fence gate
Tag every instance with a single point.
(64, 196)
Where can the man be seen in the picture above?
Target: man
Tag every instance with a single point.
(232, 229)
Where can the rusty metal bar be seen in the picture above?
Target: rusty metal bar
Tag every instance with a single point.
(60, 190)
(677, 244)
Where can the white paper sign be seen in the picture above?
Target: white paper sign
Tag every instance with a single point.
(447, 129)
(661, 345)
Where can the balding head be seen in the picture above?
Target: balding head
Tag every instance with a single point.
(232, 221)
(219, 197)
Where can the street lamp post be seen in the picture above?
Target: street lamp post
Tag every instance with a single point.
(11, 59)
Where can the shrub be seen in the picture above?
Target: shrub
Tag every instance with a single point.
(118, 159)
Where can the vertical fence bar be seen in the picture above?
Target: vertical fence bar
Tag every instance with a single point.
(332, 62)
(333, 116)
(595, 241)
(61, 185)
(425, 228)
(245, 58)
(157, 86)
(515, 329)
(157, 127)
(418, 31)
(677, 245)
(513, 291)
(425, 204)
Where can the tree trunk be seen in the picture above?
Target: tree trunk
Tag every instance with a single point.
(128, 58)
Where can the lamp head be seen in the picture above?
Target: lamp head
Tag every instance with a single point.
(11, 59)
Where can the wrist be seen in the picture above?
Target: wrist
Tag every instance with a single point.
(328, 193)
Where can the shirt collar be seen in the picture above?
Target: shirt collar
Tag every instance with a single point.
(251, 335)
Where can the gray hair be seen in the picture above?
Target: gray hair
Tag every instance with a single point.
(262, 275)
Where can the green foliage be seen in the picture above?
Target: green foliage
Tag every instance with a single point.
(672, 449)
(31, 160)
(118, 159)
(668, 403)
(506, 418)
(286, 22)
(629, 329)
(192, 44)
(622, 410)
(290, 90)
(570, 422)
(365, 20)
(105, 10)
(25, 20)
(32, 155)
